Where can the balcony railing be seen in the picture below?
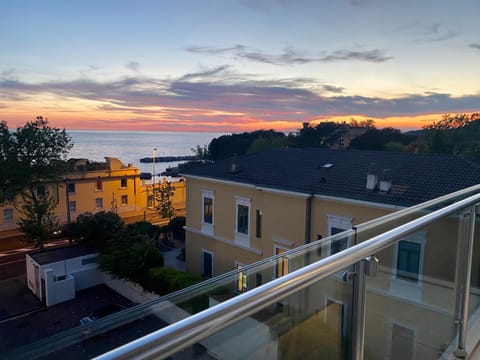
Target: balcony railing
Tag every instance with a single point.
(405, 288)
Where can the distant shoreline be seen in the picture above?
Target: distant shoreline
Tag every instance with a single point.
(169, 158)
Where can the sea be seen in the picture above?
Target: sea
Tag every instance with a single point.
(130, 146)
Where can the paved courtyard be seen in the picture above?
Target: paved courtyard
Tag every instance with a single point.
(24, 319)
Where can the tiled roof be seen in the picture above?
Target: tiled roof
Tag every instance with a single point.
(415, 177)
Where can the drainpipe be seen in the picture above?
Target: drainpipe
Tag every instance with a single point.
(308, 237)
(308, 219)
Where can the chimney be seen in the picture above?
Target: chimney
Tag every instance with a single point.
(372, 177)
(385, 181)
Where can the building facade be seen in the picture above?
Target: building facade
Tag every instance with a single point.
(265, 204)
(109, 186)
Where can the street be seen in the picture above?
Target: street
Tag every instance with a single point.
(12, 262)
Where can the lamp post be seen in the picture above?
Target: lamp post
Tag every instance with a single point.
(154, 154)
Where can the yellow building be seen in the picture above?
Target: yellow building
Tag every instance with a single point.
(263, 204)
(109, 186)
(256, 206)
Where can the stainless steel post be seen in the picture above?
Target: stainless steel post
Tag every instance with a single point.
(365, 267)
(463, 285)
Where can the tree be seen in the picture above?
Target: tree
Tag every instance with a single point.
(33, 160)
(454, 134)
(374, 139)
(164, 199)
(95, 230)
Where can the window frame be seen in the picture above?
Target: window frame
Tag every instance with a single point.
(203, 252)
(404, 288)
(282, 260)
(98, 185)
(70, 186)
(338, 222)
(241, 280)
(9, 218)
(242, 238)
(70, 203)
(96, 203)
(395, 322)
(206, 227)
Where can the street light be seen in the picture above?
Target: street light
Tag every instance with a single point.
(154, 153)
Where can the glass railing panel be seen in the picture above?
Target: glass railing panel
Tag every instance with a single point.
(201, 296)
(474, 294)
(313, 323)
(410, 303)
(148, 317)
(382, 224)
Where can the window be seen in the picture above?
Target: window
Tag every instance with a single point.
(150, 201)
(207, 264)
(241, 281)
(71, 188)
(408, 260)
(123, 182)
(282, 264)
(124, 199)
(339, 244)
(337, 224)
(7, 214)
(99, 185)
(242, 221)
(207, 211)
(402, 342)
(258, 224)
(407, 267)
(335, 319)
(72, 206)
(99, 203)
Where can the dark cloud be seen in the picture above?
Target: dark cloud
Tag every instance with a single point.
(474, 46)
(8, 74)
(133, 65)
(290, 56)
(370, 55)
(208, 73)
(222, 91)
(435, 32)
(332, 89)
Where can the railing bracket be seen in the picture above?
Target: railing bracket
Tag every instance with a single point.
(371, 268)
(348, 276)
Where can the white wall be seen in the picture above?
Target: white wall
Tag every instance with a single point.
(78, 276)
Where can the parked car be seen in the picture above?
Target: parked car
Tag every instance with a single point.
(101, 312)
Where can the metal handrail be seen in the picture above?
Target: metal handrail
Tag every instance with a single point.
(175, 337)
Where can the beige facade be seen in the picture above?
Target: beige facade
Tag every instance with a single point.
(116, 188)
(410, 303)
(286, 220)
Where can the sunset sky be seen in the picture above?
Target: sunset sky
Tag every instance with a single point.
(237, 65)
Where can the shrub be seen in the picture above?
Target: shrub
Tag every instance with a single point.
(144, 228)
(132, 261)
(176, 226)
(163, 281)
